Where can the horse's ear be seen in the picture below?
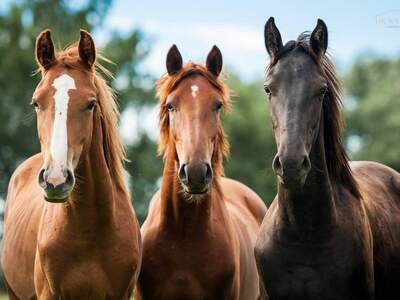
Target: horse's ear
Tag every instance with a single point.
(319, 38)
(273, 39)
(45, 55)
(174, 60)
(214, 61)
(87, 50)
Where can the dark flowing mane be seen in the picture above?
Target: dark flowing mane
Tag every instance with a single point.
(113, 148)
(166, 84)
(335, 153)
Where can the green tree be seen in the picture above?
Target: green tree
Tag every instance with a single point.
(144, 166)
(248, 127)
(373, 117)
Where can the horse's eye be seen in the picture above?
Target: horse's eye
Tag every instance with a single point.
(35, 105)
(170, 106)
(267, 90)
(91, 105)
(218, 106)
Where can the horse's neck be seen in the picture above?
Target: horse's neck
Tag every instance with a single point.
(309, 212)
(93, 198)
(177, 213)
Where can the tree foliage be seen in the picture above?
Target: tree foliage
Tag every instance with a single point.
(374, 118)
(248, 127)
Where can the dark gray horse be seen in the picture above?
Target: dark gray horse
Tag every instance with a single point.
(333, 230)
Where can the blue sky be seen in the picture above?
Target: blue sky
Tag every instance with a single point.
(355, 28)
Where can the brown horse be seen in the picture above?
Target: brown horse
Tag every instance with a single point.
(67, 240)
(333, 231)
(199, 236)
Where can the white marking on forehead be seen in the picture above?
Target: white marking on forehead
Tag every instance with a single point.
(59, 139)
(195, 90)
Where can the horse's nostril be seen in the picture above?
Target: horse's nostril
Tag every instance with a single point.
(276, 164)
(69, 179)
(41, 178)
(182, 174)
(306, 164)
(209, 173)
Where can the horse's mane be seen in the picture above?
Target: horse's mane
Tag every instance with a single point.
(166, 84)
(113, 148)
(335, 153)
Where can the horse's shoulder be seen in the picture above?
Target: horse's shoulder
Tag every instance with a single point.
(370, 168)
(153, 213)
(380, 188)
(27, 169)
(23, 175)
(373, 176)
(239, 194)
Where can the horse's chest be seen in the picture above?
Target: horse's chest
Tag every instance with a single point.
(200, 271)
(83, 281)
(301, 282)
(85, 271)
(187, 284)
(297, 272)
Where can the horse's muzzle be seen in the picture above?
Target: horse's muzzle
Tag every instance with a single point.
(195, 177)
(56, 193)
(292, 171)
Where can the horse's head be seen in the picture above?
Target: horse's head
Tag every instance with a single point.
(296, 88)
(190, 118)
(64, 102)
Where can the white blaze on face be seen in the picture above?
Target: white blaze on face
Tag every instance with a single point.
(196, 128)
(195, 90)
(59, 139)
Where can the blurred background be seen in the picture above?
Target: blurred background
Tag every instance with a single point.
(364, 42)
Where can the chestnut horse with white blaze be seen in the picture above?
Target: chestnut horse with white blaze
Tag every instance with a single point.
(70, 231)
(199, 235)
(333, 230)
